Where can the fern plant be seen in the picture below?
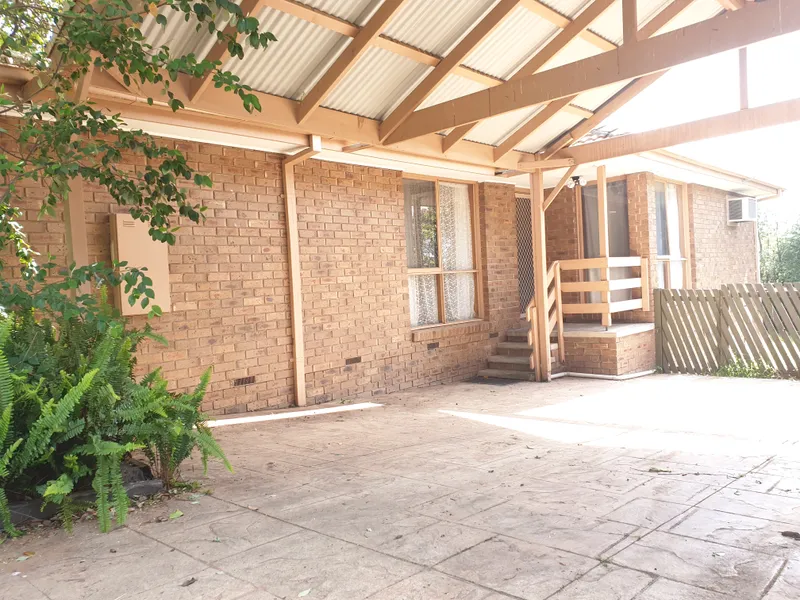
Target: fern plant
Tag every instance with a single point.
(71, 412)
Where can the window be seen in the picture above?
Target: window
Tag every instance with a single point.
(443, 277)
(669, 241)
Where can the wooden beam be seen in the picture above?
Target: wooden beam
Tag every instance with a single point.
(601, 114)
(343, 27)
(528, 127)
(278, 119)
(531, 162)
(728, 31)
(556, 45)
(630, 22)
(314, 148)
(602, 223)
(653, 26)
(447, 65)
(744, 100)
(559, 20)
(347, 59)
(559, 186)
(540, 275)
(218, 51)
(750, 119)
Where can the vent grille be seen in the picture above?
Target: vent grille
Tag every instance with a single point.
(244, 380)
(433, 345)
(353, 361)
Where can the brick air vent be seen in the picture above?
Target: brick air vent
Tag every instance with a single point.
(433, 345)
(353, 361)
(493, 335)
(244, 381)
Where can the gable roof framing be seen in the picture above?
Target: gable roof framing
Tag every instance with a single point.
(728, 31)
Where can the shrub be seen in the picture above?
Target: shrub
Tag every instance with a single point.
(750, 370)
(71, 411)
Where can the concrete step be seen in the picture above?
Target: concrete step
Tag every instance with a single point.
(514, 349)
(517, 335)
(506, 374)
(510, 363)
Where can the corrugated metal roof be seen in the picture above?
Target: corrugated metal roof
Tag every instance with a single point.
(179, 35)
(548, 132)
(699, 10)
(453, 86)
(290, 66)
(436, 26)
(354, 11)
(511, 45)
(577, 49)
(376, 84)
(568, 8)
(495, 130)
(609, 24)
(593, 99)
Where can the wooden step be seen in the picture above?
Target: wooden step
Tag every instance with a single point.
(506, 374)
(510, 363)
(514, 349)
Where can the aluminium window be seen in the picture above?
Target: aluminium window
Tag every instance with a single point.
(441, 252)
(671, 263)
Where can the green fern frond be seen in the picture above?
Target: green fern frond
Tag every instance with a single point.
(6, 383)
(5, 515)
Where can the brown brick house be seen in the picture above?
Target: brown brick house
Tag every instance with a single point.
(387, 219)
(371, 323)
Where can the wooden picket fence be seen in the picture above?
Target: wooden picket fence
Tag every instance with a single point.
(699, 331)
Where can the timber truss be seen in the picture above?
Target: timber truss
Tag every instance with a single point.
(440, 131)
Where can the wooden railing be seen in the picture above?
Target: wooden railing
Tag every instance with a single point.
(606, 307)
(556, 309)
(555, 318)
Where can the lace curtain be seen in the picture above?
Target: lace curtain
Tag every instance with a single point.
(456, 232)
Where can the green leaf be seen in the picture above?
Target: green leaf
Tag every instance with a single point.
(176, 515)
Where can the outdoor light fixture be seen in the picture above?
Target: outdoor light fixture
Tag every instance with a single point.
(576, 180)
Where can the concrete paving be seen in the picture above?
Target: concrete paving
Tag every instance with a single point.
(661, 488)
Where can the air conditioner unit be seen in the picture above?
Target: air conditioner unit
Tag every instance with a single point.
(743, 209)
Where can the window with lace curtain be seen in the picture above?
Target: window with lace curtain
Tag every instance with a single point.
(443, 276)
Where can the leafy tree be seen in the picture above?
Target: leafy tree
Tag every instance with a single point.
(54, 135)
(780, 253)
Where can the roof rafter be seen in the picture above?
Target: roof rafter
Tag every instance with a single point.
(740, 121)
(249, 8)
(447, 65)
(651, 28)
(765, 20)
(606, 110)
(558, 43)
(559, 20)
(347, 59)
(343, 27)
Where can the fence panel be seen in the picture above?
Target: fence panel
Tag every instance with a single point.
(699, 331)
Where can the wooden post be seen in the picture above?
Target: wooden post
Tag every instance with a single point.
(540, 274)
(659, 332)
(744, 101)
(560, 315)
(602, 222)
(75, 222)
(645, 276)
(296, 297)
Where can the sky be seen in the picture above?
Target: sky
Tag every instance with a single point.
(709, 87)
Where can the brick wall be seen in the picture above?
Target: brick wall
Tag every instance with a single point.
(721, 253)
(230, 290)
(642, 235)
(561, 233)
(611, 355)
(499, 251)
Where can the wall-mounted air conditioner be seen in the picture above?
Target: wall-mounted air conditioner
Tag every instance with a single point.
(743, 209)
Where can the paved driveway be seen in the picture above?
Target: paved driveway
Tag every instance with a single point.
(663, 488)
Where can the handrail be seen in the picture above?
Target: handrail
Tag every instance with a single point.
(553, 299)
